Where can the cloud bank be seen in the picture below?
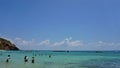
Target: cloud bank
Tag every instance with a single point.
(67, 43)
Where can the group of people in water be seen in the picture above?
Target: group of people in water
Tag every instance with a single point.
(25, 59)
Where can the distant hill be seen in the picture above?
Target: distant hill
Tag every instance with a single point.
(7, 45)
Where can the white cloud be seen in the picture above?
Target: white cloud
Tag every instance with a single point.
(102, 43)
(68, 42)
(21, 41)
(59, 43)
(45, 42)
(74, 43)
(68, 39)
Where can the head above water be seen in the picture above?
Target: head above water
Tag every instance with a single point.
(8, 55)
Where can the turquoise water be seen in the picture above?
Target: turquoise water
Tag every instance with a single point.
(61, 59)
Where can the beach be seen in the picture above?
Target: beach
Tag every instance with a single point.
(61, 59)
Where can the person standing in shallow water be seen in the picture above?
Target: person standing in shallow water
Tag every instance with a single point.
(8, 58)
(33, 60)
(25, 59)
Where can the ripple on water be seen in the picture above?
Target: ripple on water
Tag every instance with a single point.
(114, 63)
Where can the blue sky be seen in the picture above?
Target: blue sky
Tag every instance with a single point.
(61, 24)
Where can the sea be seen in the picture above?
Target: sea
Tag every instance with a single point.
(60, 59)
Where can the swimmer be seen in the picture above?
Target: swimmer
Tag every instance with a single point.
(8, 58)
(25, 59)
(33, 60)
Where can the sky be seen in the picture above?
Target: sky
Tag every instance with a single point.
(61, 24)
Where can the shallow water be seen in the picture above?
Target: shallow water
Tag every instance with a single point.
(63, 59)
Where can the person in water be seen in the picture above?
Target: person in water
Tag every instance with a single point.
(25, 59)
(8, 58)
(49, 56)
(33, 60)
